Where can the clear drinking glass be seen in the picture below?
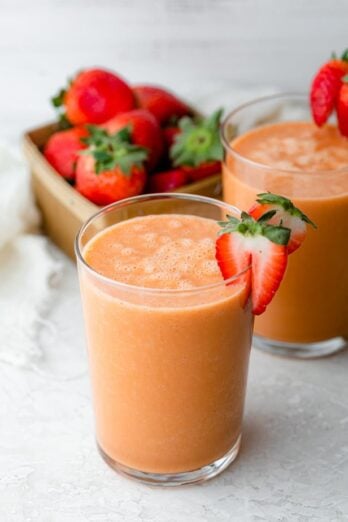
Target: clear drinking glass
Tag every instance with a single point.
(168, 367)
(309, 315)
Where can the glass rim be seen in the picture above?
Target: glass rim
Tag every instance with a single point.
(148, 197)
(253, 163)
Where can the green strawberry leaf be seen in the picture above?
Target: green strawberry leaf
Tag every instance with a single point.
(112, 151)
(198, 142)
(267, 216)
(63, 122)
(344, 56)
(277, 234)
(248, 226)
(58, 99)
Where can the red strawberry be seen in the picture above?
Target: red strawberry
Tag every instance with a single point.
(111, 168)
(209, 168)
(286, 214)
(197, 148)
(160, 102)
(325, 88)
(94, 96)
(62, 150)
(248, 243)
(167, 181)
(169, 134)
(145, 131)
(342, 108)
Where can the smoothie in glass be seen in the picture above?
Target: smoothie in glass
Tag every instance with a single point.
(168, 341)
(268, 150)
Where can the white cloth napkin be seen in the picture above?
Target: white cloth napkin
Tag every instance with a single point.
(26, 266)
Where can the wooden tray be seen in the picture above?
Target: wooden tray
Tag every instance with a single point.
(64, 210)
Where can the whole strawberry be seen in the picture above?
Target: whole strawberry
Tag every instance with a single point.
(111, 168)
(167, 180)
(62, 150)
(145, 132)
(325, 88)
(197, 148)
(164, 105)
(94, 96)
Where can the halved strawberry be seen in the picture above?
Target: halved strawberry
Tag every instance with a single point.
(256, 244)
(285, 214)
(325, 88)
(342, 107)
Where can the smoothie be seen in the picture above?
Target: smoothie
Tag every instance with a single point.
(310, 166)
(169, 355)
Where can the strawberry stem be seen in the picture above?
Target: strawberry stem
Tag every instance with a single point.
(113, 150)
(198, 142)
(248, 226)
(285, 203)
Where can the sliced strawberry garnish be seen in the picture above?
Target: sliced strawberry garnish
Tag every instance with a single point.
(342, 107)
(249, 243)
(285, 214)
(325, 88)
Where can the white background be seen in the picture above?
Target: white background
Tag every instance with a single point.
(180, 43)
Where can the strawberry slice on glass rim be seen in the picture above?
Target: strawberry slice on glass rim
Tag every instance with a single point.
(244, 243)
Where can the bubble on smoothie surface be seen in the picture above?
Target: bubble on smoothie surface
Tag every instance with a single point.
(171, 252)
(296, 146)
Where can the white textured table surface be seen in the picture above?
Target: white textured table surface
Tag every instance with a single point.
(293, 464)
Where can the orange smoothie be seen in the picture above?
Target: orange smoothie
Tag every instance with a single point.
(168, 356)
(310, 166)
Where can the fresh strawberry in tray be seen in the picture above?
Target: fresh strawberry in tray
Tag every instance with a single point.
(145, 132)
(94, 96)
(258, 249)
(161, 103)
(167, 180)
(62, 150)
(197, 148)
(111, 168)
(169, 134)
(286, 214)
(325, 88)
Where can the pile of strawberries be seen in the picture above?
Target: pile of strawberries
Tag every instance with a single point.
(329, 92)
(117, 141)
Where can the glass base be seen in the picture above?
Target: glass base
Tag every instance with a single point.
(176, 479)
(300, 350)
